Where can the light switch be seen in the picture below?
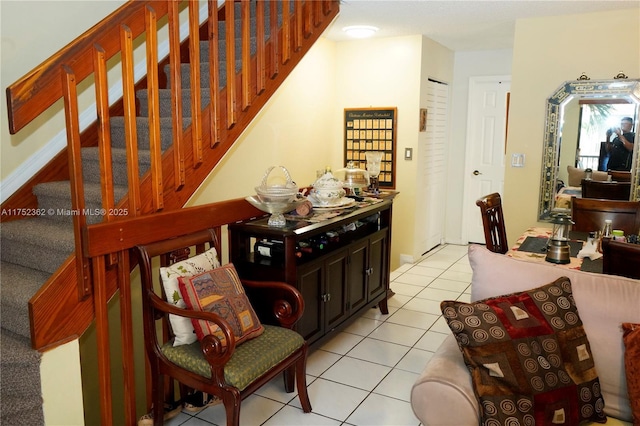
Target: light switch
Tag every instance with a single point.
(408, 153)
(517, 160)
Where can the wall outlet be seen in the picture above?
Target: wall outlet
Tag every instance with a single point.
(405, 258)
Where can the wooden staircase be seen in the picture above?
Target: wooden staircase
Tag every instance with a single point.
(173, 127)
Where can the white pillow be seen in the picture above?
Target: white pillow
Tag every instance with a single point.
(182, 327)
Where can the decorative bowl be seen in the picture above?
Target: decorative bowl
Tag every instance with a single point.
(275, 208)
(277, 193)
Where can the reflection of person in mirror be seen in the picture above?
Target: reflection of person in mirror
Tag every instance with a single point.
(621, 147)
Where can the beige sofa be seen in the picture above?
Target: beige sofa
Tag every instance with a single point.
(443, 394)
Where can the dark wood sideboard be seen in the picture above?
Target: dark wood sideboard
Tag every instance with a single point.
(340, 265)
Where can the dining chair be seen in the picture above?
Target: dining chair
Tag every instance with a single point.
(620, 258)
(495, 233)
(217, 364)
(589, 214)
(620, 176)
(606, 190)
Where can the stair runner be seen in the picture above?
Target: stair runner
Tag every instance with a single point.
(34, 248)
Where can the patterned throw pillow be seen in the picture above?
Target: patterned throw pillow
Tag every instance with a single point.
(220, 291)
(206, 261)
(631, 338)
(529, 357)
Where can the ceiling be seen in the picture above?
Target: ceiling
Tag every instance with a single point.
(458, 24)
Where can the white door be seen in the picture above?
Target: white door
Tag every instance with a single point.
(485, 151)
(432, 168)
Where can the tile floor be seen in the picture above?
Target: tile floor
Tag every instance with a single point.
(364, 375)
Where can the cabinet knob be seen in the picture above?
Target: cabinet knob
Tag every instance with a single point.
(326, 297)
(369, 271)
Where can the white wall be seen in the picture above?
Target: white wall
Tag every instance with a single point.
(547, 52)
(467, 65)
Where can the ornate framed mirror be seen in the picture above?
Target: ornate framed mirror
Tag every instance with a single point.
(562, 130)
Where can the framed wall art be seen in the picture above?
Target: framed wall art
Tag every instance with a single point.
(372, 129)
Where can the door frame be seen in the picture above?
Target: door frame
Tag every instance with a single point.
(473, 87)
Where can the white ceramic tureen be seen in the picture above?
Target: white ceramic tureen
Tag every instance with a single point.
(327, 189)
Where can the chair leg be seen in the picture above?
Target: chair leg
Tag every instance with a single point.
(158, 401)
(301, 382)
(231, 400)
(289, 376)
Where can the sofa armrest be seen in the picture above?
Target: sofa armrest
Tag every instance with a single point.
(443, 394)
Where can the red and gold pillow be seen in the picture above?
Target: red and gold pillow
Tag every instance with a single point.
(529, 357)
(631, 337)
(220, 291)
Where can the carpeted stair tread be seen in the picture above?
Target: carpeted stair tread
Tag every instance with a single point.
(142, 130)
(18, 284)
(164, 96)
(91, 164)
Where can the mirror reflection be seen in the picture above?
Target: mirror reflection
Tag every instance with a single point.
(590, 125)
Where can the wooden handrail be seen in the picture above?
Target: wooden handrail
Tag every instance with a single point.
(175, 174)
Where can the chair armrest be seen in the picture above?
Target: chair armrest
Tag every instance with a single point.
(443, 393)
(275, 302)
(214, 350)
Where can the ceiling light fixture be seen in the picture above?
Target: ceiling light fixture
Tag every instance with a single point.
(360, 31)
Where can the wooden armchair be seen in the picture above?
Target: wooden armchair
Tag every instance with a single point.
(606, 190)
(619, 258)
(221, 367)
(495, 233)
(589, 214)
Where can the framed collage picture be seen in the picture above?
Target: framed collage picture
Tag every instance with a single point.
(372, 129)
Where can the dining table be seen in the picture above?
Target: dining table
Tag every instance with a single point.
(532, 244)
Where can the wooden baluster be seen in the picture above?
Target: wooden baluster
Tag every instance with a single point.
(155, 143)
(214, 74)
(126, 335)
(286, 32)
(261, 82)
(308, 19)
(196, 102)
(246, 54)
(274, 39)
(102, 338)
(297, 34)
(70, 94)
(131, 134)
(232, 115)
(104, 131)
(176, 94)
(317, 12)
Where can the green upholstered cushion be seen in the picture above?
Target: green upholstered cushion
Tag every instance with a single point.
(250, 360)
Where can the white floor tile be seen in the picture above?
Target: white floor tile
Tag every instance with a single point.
(377, 315)
(332, 399)
(382, 410)
(425, 271)
(450, 285)
(397, 300)
(362, 326)
(395, 274)
(440, 326)
(397, 384)
(357, 373)
(341, 343)
(431, 341)
(465, 297)
(400, 334)
(404, 267)
(424, 305)
(456, 276)
(406, 289)
(275, 390)
(254, 410)
(292, 416)
(379, 352)
(461, 266)
(413, 318)
(436, 263)
(415, 360)
(438, 294)
(414, 279)
(320, 360)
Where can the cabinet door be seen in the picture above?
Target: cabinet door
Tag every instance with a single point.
(335, 294)
(378, 254)
(309, 283)
(357, 275)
